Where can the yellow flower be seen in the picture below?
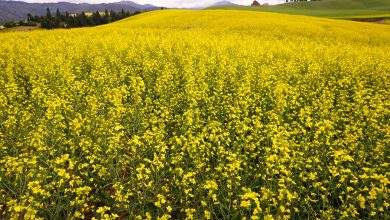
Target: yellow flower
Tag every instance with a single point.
(207, 214)
(261, 114)
(245, 203)
(210, 184)
(312, 176)
(362, 201)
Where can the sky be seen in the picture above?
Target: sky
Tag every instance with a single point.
(166, 3)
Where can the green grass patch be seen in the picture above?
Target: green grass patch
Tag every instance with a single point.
(325, 8)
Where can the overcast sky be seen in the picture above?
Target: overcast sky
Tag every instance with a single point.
(167, 3)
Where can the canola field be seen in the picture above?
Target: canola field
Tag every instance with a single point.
(197, 115)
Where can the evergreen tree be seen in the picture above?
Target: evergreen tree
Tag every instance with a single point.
(58, 14)
(83, 20)
(113, 16)
(107, 17)
(97, 18)
(68, 20)
(123, 14)
(48, 14)
(58, 19)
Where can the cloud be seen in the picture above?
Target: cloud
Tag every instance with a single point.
(168, 3)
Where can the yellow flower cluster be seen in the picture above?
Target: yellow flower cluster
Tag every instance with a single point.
(197, 115)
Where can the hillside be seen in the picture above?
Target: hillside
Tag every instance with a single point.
(209, 114)
(223, 3)
(326, 8)
(16, 10)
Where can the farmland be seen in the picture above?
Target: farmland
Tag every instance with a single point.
(20, 28)
(325, 8)
(212, 114)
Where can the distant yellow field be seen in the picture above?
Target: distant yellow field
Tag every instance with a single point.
(197, 115)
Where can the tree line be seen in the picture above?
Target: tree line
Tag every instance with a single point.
(67, 20)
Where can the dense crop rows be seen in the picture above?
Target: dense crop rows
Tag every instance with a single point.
(203, 115)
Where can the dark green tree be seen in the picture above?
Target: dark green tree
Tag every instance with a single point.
(83, 20)
(46, 22)
(29, 17)
(48, 14)
(107, 17)
(97, 18)
(58, 19)
(78, 20)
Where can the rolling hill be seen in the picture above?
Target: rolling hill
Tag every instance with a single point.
(325, 8)
(208, 114)
(223, 3)
(16, 10)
